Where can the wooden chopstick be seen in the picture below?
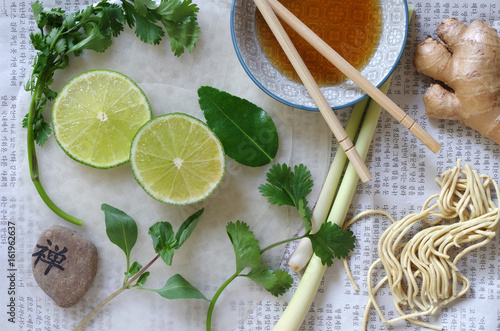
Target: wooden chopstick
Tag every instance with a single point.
(313, 89)
(347, 69)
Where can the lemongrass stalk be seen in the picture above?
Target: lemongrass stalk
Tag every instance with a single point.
(304, 251)
(297, 309)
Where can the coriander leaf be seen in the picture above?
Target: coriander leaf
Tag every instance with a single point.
(164, 242)
(278, 190)
(301, 181)
(247, 132)
(120, 228)
(134, 268)
(94, 41)
(112, 20)
(142, 279)
(285, 187)
(180, 21)
(38, 41)
(276, 282)
(182, 35)
(41, 130)
(145, 24)
(37, 9)
(331, 242)
(179, 288)
(147, 30)
(142, 6)
(305, 214)
(69, 21)
(177, 11)
(187, 228)
(246, 247)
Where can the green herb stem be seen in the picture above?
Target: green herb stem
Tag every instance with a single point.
(33, 163)
(115, 294)
(281, 243)
(214, 300)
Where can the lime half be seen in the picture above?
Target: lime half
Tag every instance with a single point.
(177, 159)
(96, 115)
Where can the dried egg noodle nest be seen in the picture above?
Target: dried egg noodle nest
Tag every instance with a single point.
(421, 268)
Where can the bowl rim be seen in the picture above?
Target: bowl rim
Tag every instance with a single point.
(293, 105)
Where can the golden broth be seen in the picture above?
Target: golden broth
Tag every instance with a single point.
(350, 27)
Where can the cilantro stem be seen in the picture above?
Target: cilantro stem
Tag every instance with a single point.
(281, 243)
(215, 297)
(115, 294)
(33, 163)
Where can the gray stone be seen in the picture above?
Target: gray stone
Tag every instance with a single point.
(64, 265)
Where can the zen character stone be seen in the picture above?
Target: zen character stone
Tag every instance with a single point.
(64, 265)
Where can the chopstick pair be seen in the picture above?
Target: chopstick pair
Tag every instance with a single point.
(269, 9)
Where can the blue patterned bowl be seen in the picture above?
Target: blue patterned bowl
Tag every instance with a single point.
(274, 83)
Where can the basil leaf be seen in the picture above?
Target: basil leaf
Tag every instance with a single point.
(142, 279)
(187, 228)
(247, 132)
(179, 288)
(120, 228)
(164, 241)
(134, 268)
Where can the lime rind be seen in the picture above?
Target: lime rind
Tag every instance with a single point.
(158, 174)
(99, 144)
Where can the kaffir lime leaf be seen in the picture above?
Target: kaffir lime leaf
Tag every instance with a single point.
(96, 115)
(177, 159)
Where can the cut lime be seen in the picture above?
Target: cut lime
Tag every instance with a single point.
(177, 159)
(96, 115)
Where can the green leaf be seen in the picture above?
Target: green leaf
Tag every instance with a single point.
(112, 20)
(41, 130)
(37, 9)
(331, 242)
(177, 11)
(182, 35)
(120, 228)
(278, 190)
(142, 6)
(247, 132)
(187, 228)
(134, 268)
(276, 282)
(94, 41)
(180, 22)
(69, 21)
(179, 288)
(246, 247)
(60, 46)
(142, 279)
(285, 187)
(164, 241)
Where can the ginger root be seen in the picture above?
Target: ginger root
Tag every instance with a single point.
(467, 62)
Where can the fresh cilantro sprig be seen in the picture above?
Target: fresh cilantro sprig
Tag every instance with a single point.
(122, 231)
(284, 187)
(249, 264)
(61, 35)
(287, 187)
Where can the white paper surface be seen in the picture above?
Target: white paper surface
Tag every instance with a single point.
(403, 177)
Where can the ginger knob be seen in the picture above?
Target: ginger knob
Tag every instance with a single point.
(465, 62)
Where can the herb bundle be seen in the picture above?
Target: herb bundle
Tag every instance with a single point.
(62, 35)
